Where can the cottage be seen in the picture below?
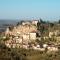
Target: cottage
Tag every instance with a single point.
(35, 22)
(25, 36)
(26, 22)
(32, 36)
(22, 33)
(7, 31)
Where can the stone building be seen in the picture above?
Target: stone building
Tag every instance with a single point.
(21, 34)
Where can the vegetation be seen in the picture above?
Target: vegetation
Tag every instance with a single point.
(30, 54)
(23, 54)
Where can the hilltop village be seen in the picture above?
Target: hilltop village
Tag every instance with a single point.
(35, 34)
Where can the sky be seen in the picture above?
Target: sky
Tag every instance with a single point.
(30, 9)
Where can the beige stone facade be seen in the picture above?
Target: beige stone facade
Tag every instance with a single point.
(22, 35)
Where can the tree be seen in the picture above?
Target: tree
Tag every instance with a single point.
(18, 23)
(51, 24)
(59, 21)
(38, 25)
(41, 21)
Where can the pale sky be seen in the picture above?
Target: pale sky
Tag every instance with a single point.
(30, 9)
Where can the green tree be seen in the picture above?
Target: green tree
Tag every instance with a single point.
(59, 21)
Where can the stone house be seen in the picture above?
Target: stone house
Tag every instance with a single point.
(35, 22)
(33, 36)
(22, 34)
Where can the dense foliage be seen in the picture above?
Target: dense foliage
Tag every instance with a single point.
(23, 54)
